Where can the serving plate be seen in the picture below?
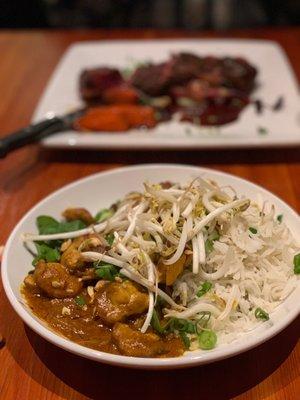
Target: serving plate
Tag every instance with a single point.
(101, 190)
(275, 79)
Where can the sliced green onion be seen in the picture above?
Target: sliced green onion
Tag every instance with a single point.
(181, 325)
(262, 131)
(45, 252)
(214, 235)
(204, 288)
(80, 301)
(253, 230)
(207, 339)
(185, 339)
(209, 246)
(104, 214)
(106, 271)
(279, 218)
(110, 238)
(155, 323)
(297, 264)
(261, 314)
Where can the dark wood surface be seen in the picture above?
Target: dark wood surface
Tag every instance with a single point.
(31, 368)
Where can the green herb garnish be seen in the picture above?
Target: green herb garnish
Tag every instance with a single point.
(47, 225)
(253, 230)
(106, 271)
(207, 339)
(204, 288)
(185, 339)
(261, 314)
(155, 323)
(214, 235)
(181, 325)
(70, 226)
(209, 246)
(104, 214)
(110, 238)
(209, 243)
(80, 301)
(262, 131)
(279, 218)
(297, 264)
(45, 252)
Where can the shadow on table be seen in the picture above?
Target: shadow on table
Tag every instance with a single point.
(241, 156)
(222, 380)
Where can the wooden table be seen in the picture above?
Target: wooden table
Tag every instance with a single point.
(31, 368)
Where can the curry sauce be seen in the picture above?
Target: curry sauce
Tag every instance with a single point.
(81, 323)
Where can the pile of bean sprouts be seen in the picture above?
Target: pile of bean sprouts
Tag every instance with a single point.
(248, 268)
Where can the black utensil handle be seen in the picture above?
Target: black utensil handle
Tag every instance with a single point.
(30, 134)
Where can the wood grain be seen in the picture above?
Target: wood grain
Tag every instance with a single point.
(31, 368)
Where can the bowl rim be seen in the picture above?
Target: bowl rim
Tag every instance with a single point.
(194, 358)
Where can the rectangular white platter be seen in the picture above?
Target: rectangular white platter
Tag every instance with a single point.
(275, 78)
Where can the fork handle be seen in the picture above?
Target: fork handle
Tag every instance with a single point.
(30, 134)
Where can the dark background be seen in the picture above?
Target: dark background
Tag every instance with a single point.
(185, 14)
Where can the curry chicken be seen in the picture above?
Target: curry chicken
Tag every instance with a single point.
(94, 307)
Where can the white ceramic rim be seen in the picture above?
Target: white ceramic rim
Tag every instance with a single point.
(137, 362)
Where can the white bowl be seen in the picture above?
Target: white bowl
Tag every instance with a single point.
(101, 190)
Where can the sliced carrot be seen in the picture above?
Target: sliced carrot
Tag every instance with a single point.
(116, 118)
(120, 95)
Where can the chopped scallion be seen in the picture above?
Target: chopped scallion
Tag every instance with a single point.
(104, 214)
(106, 271)
(297, 264)
(207, 339)
(261, 314)
(252, 230)
(279, 218)
(155, 323)
(110, 238)
(204, 288)
(185, 339)
(80, 301)
(209, 246)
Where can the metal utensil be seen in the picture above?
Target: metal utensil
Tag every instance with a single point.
(37, 131)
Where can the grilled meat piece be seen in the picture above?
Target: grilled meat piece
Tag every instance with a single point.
(238, 74)
(152, 79)
(93, 82)
(219, 109)
(184, 66)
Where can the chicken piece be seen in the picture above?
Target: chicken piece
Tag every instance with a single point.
(71, 258)
(169, 273)
(115, 301)
(87, 274)
(72, 214)
(55, 281)
(136, 344)
(166, 184)
(30, 283)
(131, 342)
